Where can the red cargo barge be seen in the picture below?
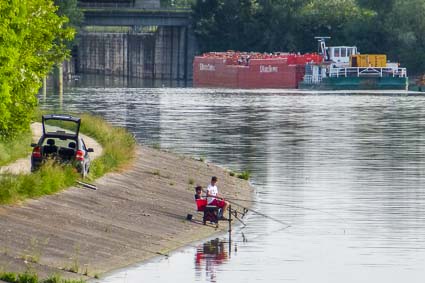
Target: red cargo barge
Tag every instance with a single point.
(251, 70)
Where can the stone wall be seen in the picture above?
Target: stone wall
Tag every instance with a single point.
(164, 54)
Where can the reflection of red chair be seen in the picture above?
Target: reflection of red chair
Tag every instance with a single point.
(213, 251)
(210, 211)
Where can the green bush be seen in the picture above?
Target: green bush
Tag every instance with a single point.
(8, 277)
(244, 175)
(28, 277)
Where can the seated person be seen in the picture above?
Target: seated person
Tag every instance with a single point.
(214, 198)
(198, 192)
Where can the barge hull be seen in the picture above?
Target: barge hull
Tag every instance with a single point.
(259, 73)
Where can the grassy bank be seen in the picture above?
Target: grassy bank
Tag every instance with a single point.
(28, 277)
(13, 149)
(118, 151)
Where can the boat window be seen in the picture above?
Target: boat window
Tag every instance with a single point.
(349, 52)
(343, 52)
(337, 51)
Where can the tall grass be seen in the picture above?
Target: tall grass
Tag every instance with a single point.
(48, 180)
(118, 151)
(28, 277)
(118, 145)
(14, 148)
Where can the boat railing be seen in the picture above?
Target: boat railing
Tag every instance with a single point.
(308, 79)
(367, 72)
(312, 79)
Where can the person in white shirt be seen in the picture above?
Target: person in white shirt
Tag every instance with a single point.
(213, 197)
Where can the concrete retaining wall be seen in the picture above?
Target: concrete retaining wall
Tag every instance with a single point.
(166, 53)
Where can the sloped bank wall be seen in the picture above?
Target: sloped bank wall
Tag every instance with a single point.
(166, 53)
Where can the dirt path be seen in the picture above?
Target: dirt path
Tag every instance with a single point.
(23, 165)
(133, 216)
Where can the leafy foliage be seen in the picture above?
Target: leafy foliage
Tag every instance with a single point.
(32, 40)
(70, 9)
(227, 24)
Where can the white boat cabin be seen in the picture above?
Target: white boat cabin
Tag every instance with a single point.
(340, 55)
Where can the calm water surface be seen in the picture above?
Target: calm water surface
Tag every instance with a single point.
(346, 171)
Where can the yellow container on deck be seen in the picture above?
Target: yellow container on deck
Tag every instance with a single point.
(368, 60)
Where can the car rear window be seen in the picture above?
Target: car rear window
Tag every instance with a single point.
(53, 126)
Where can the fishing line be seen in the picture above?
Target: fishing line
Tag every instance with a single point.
(293, 206)
(261, 214)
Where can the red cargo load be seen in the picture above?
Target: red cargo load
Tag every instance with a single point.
(250, 70)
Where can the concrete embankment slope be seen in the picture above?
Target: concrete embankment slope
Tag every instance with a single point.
(134, 215)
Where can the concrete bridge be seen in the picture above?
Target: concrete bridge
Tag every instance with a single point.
(136, 17)
(159, 43)
(144, 4)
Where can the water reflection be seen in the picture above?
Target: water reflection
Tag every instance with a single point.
(98, 81)
(208, 257)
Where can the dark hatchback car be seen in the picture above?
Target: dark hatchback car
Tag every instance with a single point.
(62, 143)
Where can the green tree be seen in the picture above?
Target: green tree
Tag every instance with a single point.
(382, 8)
(272, 25)
(281, 20)
(227, 24)
(32, 39)
(70, 9)
(406, 31)
(333, 18)
(397, 29)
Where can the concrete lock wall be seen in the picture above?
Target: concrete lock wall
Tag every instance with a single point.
(143, 4)
(163, 54)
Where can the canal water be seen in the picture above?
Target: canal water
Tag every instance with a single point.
(347, 172)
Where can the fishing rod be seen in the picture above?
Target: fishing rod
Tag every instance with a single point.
(260, 213)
